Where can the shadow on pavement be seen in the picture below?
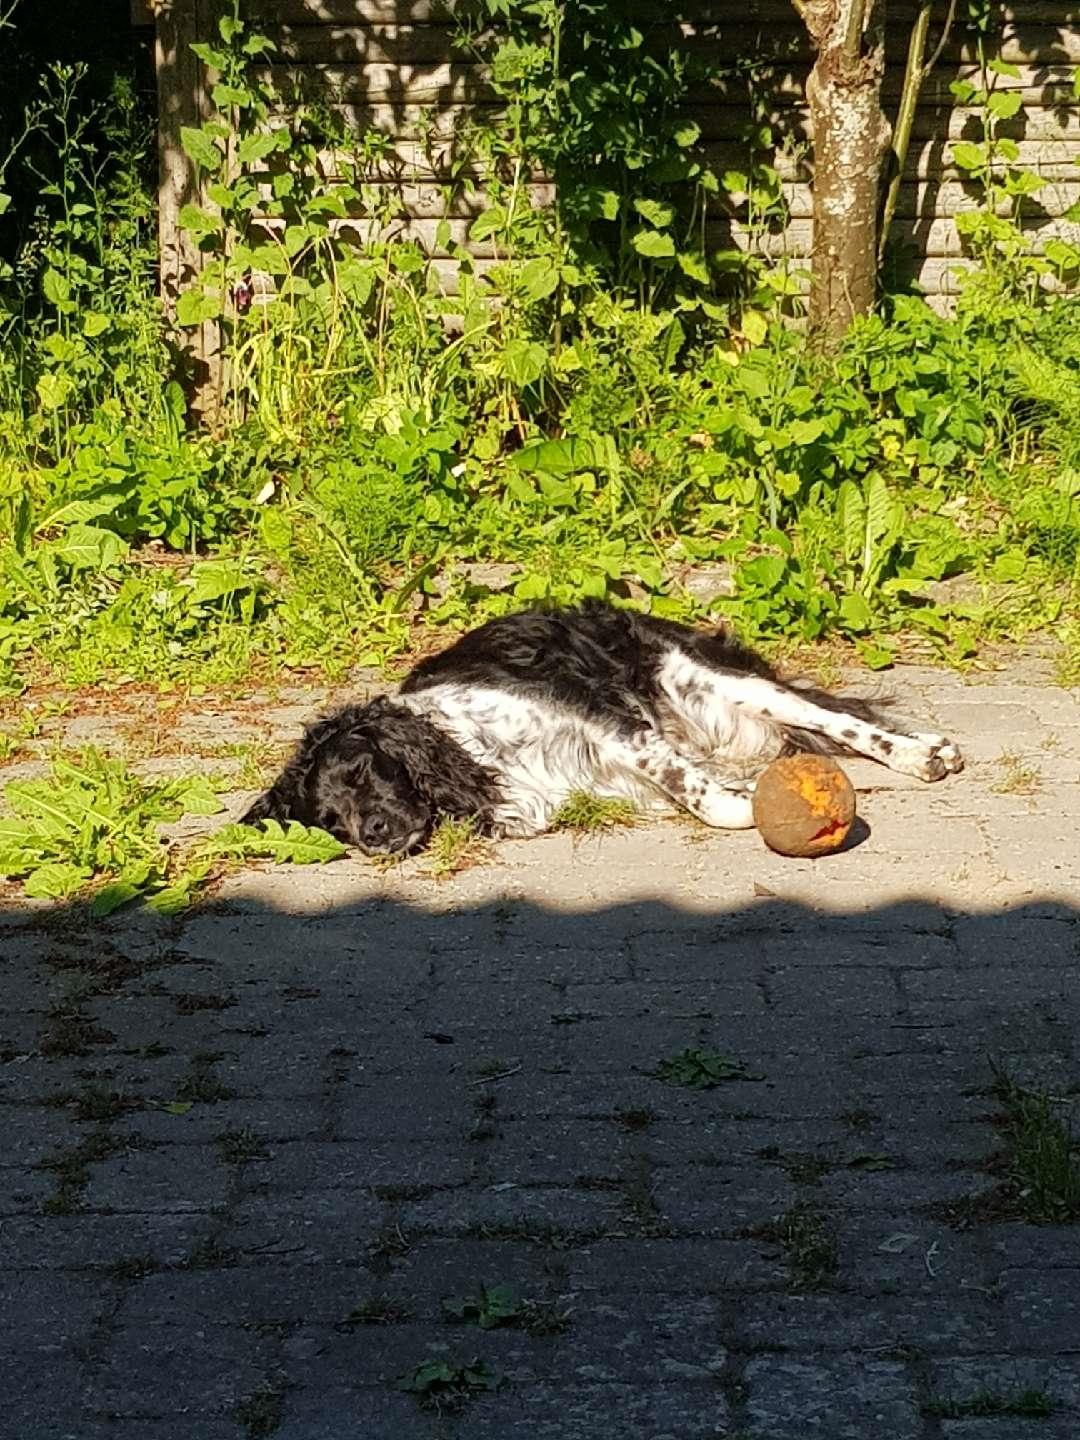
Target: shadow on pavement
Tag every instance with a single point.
(248, 1156)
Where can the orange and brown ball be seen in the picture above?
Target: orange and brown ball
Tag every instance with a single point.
(804, 805)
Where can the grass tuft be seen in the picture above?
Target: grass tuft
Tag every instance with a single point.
(456, 845)
(808, 1242)
(587, 814)
(1034, 1404)
(1017, 777)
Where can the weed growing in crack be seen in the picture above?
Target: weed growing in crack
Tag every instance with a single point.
(484, 1125)
(1017, 777)
(498, 1306)
(260, 1413)
(241, 1147)
(191, 1003)
(377, 1310)
(859, 1119)
(130, 1268)
(96, 1104)
(70, 1034)
(640, 1202)
(700, 1069)
(489, 1308)
(634, 1119)
(808, 1243)
(209, 1254)
(800, 1167)
(1035, 1404)
(490, 1067)
(455, 845)
(545, 1317)
(389, 1243)
(71, 1169)
(1040, 1162)
(200, 1086)
(537, 1232)
(447, 1387)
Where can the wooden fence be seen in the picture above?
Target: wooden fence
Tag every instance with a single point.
(392, 65)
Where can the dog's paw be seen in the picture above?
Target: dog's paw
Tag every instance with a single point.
(725, 807)
(929, 757)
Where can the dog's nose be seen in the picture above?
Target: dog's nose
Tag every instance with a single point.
(376, 829)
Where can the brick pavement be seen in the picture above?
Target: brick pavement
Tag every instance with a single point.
(249, 1154)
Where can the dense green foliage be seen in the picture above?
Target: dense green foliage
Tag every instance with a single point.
(609, 403)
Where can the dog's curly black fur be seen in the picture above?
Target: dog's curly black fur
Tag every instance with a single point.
(378, 777)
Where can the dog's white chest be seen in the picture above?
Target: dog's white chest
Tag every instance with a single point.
(540, 753)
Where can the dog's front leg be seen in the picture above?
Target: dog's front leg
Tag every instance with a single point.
(723, 806)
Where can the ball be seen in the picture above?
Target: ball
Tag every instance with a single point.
(804, 805)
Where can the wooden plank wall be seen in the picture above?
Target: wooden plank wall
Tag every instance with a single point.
(391, 65)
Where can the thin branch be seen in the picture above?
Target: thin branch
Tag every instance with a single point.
(915, 73)
(936, 56)
(856, 22)
(800, 9)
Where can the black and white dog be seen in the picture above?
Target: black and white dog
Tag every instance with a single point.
(522, 712)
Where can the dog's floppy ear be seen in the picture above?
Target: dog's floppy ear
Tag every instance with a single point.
(287, 799)
(271, 805)
(437, 766)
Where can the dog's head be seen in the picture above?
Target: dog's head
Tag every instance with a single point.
(376, 776)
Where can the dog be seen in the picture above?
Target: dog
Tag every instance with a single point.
(529, 708)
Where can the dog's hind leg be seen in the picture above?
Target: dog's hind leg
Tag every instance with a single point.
(649, 757)
(720, 701)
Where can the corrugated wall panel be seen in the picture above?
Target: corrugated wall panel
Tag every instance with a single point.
(391, 65)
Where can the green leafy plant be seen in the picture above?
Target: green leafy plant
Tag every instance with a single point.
(612, 404)
(91, 819)
(491, 1307)
(92, 828)
(446, 1386)
(696, 1068)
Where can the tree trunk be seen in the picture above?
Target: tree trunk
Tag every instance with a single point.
(850, 139)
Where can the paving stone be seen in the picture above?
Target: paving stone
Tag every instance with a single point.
(875, 1323)
(315, 1412)
(561, 1214)
(99, 1242)
(305, 1165)
(154, 1371)
(309, 1228)
(1043, 1309)
(32, 1134)
(142, 1180)
(1011, 1427)
(557, 1412)
(23, 1192)
(49, 1312)
(790, 1400)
